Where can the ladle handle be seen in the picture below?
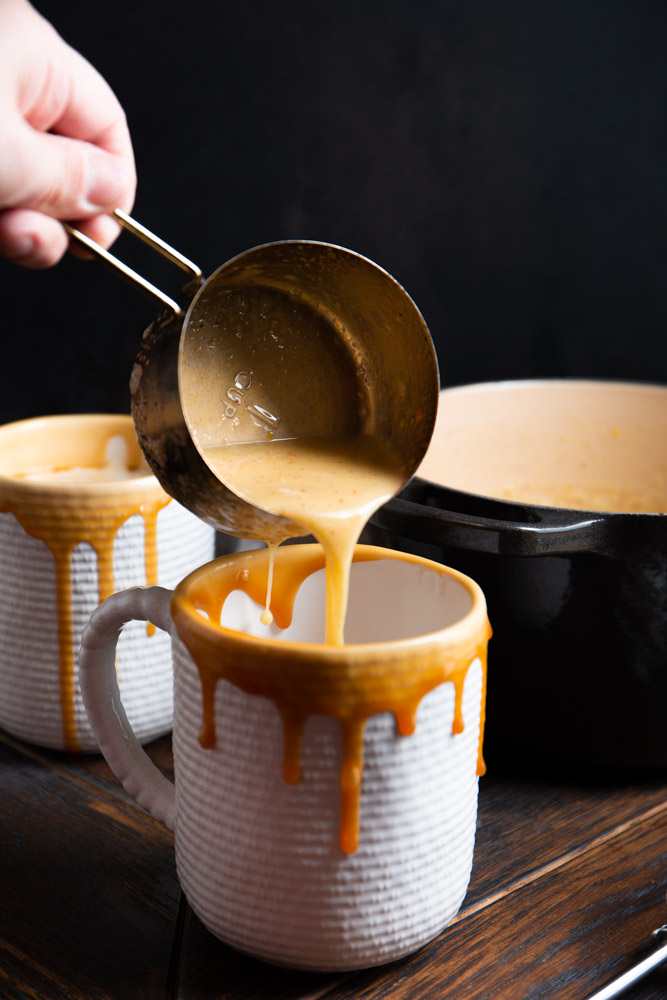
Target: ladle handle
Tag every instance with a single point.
(134, 227)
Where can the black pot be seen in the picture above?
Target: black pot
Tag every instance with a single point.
(577, 598)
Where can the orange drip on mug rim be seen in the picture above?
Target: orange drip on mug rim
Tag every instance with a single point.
(337, 690)
(63, 512)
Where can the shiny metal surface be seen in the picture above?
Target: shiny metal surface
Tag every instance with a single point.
(638, 971)
(134, 227)
(301, 339)
(289, 339)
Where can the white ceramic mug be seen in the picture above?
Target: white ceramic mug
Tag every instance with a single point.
(81, 516)
(309, 832)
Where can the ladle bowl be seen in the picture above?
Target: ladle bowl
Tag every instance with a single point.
(289, 339)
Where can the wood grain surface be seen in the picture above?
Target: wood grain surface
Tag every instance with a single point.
(568, 883)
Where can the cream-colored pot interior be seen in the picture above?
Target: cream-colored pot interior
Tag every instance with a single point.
(588, 445)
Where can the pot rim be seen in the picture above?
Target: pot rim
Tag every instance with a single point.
(580, 380)
(539, 512)
(532, 511)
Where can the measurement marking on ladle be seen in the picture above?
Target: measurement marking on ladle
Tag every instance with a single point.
(262, 416)
(237, 393)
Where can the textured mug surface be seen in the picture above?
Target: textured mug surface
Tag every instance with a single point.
(63, 547)
(260, 860)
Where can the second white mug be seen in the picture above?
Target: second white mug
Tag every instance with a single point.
(81, 516)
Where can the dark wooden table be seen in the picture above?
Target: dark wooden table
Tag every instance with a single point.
(568, 883)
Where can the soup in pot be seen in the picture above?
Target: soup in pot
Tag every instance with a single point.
(585, 445)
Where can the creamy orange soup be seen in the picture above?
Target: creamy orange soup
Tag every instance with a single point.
(339, 688)
(331, 487)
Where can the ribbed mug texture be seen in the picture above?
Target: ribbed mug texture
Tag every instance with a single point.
(30, 692)
(260, 861)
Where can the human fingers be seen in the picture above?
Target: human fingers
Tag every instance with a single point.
(66, 148)
(62, 177)
(35, 240)
(90, 112)
(31, 238)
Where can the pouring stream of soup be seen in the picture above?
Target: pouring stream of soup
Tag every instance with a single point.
(331, 487)
(348, 685)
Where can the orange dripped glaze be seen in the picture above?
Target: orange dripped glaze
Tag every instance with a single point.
(351, 683)
(62, 523)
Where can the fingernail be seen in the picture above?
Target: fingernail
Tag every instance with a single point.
(108, 182)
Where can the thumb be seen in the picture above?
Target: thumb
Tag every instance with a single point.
(62, 177)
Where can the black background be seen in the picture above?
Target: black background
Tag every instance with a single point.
(506, 162)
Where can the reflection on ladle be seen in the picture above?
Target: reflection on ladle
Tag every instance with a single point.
(334, 345)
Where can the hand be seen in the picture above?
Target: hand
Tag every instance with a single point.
(65, 149)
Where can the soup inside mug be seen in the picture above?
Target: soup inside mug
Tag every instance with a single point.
(388, 601)
(586, 445)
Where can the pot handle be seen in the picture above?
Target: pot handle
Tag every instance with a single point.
(99, 688)
(492, 534)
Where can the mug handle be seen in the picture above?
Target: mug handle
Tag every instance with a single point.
(99, 687)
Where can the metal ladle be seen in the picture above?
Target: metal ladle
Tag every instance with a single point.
(289, 339)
